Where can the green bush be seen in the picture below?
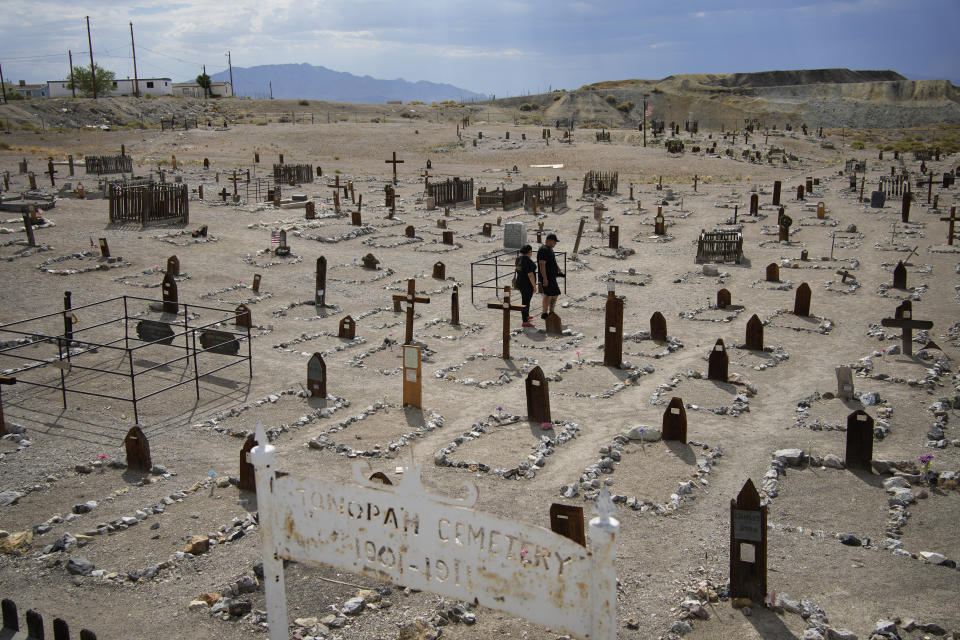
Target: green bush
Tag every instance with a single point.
(529, 106)
(626, 107)
(303, 103)
(611, 99)
(857, 144)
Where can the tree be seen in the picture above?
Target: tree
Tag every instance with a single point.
(84, 82)
(204, 81)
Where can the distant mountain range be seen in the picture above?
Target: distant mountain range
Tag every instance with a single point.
(294, 81)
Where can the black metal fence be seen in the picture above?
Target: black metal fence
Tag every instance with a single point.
(504, 267)
(42, 357)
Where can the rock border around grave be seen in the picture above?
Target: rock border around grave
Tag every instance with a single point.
(881, 425)
(740, 403)
(633, 375)
(446, 373)
(563, 431)
(214, 422)
(433, 420)
(284, 347)
(824, 327)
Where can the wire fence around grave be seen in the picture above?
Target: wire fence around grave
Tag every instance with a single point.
(47, 353)
(504, 267)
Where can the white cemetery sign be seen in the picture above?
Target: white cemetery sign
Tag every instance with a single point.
(514, 235)
(430, 542)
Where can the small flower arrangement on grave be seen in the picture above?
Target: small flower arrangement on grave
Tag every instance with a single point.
(579, 359)
(546, 426)
(483, 353)
(103, 461)
(925, 460)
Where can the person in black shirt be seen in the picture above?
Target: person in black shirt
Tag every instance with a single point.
(526, 283)
(549, 272)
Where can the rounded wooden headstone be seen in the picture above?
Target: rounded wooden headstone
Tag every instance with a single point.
(538, 397)
(719, 362)
(173, 266)
(674, 425)
(248, 479)
(138, 450)
(773, 272)
(859, 447)
(801, 303)
(317, 376)
(723, 299)
(243, 316)
(754, 333)
(658, 327)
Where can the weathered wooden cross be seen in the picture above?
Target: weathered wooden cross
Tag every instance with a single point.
(929, 184)
(951, 219)
(908, 324)
(844, 274)
(234, 179)
(411, 299)
(51, 172)
(394, 162)
(507, 308)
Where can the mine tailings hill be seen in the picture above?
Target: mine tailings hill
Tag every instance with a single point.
(818, 97)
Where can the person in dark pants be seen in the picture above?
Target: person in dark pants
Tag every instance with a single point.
(549, 272)
(526, 283)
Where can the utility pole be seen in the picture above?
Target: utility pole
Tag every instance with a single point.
(230, 65)
(205, 80)
(93, 73)
(73, 86)
(644, 120)
(136, 82)
(3, 85)
(271, 89)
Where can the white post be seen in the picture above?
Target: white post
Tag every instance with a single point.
(603, 548)
(262, 457)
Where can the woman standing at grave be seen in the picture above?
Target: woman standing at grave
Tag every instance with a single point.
(549, 272)
(525, 280)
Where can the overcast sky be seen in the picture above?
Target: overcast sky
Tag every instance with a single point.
(502, 47)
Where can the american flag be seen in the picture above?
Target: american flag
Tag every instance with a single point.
(649, 110)
(275, 238)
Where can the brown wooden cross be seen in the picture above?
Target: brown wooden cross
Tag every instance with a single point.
(951, 219)
(234, 180)
(929, 184)
(844, 274)
(394, 162)
(51, 172)
(411, 299)
(908, 324)
(507, 308)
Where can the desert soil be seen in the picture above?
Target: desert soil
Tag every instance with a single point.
(659, 557)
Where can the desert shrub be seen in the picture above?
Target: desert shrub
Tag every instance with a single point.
(303, 103)
(529, 106)
(611, 99)
(626, 107)
(4, 146)
(857, 144)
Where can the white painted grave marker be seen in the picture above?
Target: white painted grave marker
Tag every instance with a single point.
(405, 535)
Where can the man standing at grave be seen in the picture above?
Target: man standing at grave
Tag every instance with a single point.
(525, 279)
(549, 272)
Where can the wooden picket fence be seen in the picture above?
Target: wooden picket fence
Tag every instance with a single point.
(34, 624)
(547, 195)
(156, 202)
(298, 173)
(108, 164)
(720, 246)
(600, 182)
(451, 191)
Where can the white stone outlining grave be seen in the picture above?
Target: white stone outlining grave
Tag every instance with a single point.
(405, 535)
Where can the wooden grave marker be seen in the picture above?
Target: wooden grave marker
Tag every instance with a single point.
(173, 266)
(613, 331)
(320, 289)
(448, 237)
(310, 210)
(659, 225)
(844, 383)
(900, 276)
(317, 376)
(439, 270)
(821, 210)
(754, 204)
(614, 240)
(487, 229)
(169, 288)
(719, 362)
(441, 224)
(906, 322)
(411, 298)
(754, 338)
(951, 220)
(905, 206)
(244, 319)
(859, 448)
(506, 307)
(776, 193)
(801, 301)
(567, 520)
(412, 377)
(394, 162)
(538, 397)
(283, 249)
(553, 325)
(723, 299)
(28, 228)
(104, 248)
(455, 306)
(248, 481)
(138, 450)
(256, 283)
(674, 425)
(748, 545)
(658, 327)
(347, 328)
(773, 272)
